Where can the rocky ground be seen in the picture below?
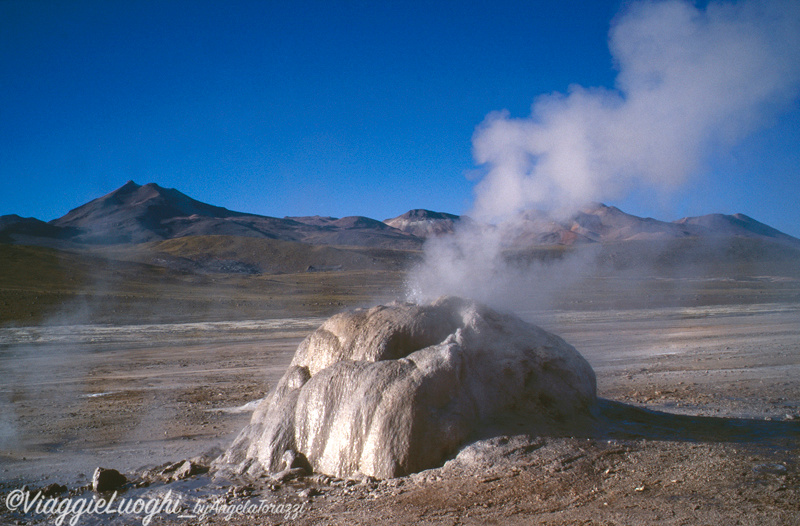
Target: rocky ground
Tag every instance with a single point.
(726, 452)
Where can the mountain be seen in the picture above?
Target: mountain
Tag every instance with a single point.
(138, 214)
(733, 225)
(595, 223)
(424, 223)
(135, 214)
(599, 223)
(14, 227)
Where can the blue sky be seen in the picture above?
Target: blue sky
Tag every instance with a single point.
(318, 107)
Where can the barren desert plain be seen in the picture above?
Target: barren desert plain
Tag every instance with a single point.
(405, 291)
(697, 375)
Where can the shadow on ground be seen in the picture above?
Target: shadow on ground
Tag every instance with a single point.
(612, 420)
(618, 420)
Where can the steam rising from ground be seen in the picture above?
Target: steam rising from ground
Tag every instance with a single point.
(690, 82)
(472, 263)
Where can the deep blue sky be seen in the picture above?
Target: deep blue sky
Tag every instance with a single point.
(314, 107)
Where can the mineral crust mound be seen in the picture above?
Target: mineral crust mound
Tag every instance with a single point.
(397, 389)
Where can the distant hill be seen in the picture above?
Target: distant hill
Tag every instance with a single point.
(424, 223)
(599, 223)
(16, 228)
(138, 214)
(135, 214)
(733, 225)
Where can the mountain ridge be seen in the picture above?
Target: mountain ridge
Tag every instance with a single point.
(142, 213)
(135, 214)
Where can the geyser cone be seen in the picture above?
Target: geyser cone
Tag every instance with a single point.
(396, 389)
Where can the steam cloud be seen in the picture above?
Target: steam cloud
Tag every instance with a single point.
(689, 82)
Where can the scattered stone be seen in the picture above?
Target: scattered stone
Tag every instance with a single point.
(239, 492)
(395, 482)
(53, 489)
(288, 474)
(188, 469)
(309, 492)
(107, 480)
(322, 480)
(166, 470)
(368, 481)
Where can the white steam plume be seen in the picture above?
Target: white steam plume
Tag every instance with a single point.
(689, 82)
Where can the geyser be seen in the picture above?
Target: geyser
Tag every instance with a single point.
(396, 389)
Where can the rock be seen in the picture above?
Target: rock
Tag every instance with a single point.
(51, 490)
(368, 481)
(292, 459)
(308, 492)
(238, 492)
(395, 483)
(188, 469)
(107, 480)
(173, 471)
(206, 458)
(288, 474)
(396, 389)
(497, 451)
(322, 480)
(166, 470)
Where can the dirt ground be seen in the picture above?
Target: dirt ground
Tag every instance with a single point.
(699, 423)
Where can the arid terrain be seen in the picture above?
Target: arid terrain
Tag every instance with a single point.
(132, 396)
(137, 356)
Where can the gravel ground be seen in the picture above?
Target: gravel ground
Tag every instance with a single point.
(699, 423)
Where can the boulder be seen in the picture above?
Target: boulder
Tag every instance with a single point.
(107, 480)
(396, 389)
(187, 469)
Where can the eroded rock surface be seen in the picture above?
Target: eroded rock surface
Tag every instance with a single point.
(396, 389)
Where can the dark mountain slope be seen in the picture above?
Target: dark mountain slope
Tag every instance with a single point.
(138, 214)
